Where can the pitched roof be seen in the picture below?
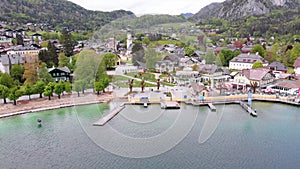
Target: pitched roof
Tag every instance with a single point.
(279, 66)
(64, 69)
(297, 62)
(255, 74)
(209, 69)
(249, 58)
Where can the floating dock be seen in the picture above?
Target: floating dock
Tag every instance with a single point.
(169, 105)
(248, 109)
(109, 116)
(212, 107)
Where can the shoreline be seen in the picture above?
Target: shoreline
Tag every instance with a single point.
(70, 100)
(42, 104)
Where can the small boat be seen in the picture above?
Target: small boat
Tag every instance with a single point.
(145, 105)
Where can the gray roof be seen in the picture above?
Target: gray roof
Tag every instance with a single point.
(14, 59)
(19, 48)
(249, 58)
(279, 66)
(209, 69)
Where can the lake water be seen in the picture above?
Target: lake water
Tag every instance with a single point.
(153, 138)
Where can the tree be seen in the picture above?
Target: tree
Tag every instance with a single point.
(39, 88)
(77, 87)
(98, 87)
(68, 87)
(14, 94)
(44, 75)
(87, 67)
(7, 80)
(189, 50)
(110, 60)
(143, 85)
(152, 57)
(31, 73)
(19, 39)
(254, 86)
(4, 92)
(257, 65)
(210, 57)
(260, 50)
(48, 91)
(63, 60)
(49, 56)
(59, 88)
(138, 54)
(68, 42)
(28, 90)
(130, 83)
(17, 72)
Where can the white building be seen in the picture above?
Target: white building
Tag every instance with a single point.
(246, 61)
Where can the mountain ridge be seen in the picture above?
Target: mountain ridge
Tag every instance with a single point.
(59, 13)
(237, 9)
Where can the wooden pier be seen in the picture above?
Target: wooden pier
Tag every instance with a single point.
(248, 109)
(109, 116)
(212, 107)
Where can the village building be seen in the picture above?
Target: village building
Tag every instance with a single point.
(8, 60)
(297, 66)
(247, 77)
(61, 74)
(246, 61)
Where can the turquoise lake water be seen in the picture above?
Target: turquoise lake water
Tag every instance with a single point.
(146, 138)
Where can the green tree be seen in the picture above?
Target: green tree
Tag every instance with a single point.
(39, 88)
(260, 50)
(87, 65)
(257, 65)
(48, 91)
(17, 72)
(293, 54)
(98, 87)
(7, 80)
(68, 42)
(44, 75)
(152, 57)
(4, 92)
(189, 50)
(110, 60)
(59, 88)
(28, 90)
(77, 87)
(210, 57)
(68, 87)
(63, 60)
(14, 94)
(49, 56)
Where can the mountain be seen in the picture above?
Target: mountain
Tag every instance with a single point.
(59, 13)
(237, 9)
(187, 15)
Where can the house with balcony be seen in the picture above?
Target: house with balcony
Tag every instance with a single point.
(61, 74)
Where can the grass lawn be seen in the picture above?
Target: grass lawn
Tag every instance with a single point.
(122, 81)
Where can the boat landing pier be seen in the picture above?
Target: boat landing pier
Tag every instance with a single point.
(212, 107)
(109, 116)
(248, 109)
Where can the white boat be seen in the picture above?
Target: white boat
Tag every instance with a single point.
(145, 105)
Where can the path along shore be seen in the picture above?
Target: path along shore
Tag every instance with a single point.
(40, 104)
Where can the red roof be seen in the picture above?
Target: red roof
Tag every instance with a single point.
(297, 62)
(255, 74)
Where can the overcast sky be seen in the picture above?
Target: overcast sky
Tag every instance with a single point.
(173, 7)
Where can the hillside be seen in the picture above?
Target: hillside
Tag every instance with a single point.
(237, 9)
(59, 13)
